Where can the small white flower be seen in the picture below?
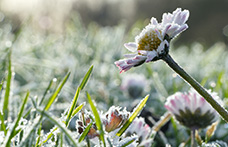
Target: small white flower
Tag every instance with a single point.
(142, 130)
(191, 109)
(154, 39)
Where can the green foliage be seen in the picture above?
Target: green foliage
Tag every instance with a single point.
(38, 57)
(55, 94)
(82, 137)
(13, 131)
(61, 126)
(7, 91)
(97, 119)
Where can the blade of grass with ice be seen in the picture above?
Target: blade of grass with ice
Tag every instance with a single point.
(39, 119)
(56, 122)
(73, 105)
(85, 132)
(78, 109)
(1, 86)
(136, 111)
(3, 127)
(54, 96)
(86, 78)
(39, 135)
(46, 91)
(97, 118)
(129, 142)
(12, 132)
(7, 91)
(74, 102)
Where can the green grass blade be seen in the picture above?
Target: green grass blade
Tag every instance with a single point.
(78, 109)
(97, 118)
(61, 140)
(74, 112)
(12, 132)
(81, 86)
(46, 91)
(30, 131)
(39, 135)
(3, 127)
(55, 94)
(219, 81)
(7, 91)
(85, 132)
(1, 84)
(86, 78)
(49, 136)
(73, 105)
(129, 142)
(56, 122)
(136, 111)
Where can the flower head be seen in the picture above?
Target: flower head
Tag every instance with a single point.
(83, 122)
(191, 109)
(142, 130)
(134, 84)
(153, 41)
(114, 118)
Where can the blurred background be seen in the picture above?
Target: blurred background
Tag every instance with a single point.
(208, 22)
(48, 38)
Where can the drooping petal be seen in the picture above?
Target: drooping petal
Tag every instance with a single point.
(126, 64)
(131, 46)
(151, 55)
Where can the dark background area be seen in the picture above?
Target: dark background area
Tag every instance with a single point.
(208, 22)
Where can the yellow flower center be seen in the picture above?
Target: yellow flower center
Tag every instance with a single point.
(149, 41)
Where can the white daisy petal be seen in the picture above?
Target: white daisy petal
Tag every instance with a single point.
(151, 55)
(131, 46)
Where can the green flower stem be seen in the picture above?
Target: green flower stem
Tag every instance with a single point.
(222, 111)
(193, 140)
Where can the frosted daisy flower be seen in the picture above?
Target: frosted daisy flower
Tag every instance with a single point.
(114, 118)
(153, 42)
(134, 84)
(83, 121)
(142, 130)
(191, 109)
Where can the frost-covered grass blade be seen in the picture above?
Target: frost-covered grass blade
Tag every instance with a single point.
(55, 94)
(85, 132)
(57, 123)
(7, 90)
(86, 78)
(3, 127)
(1, 86)
(78, 109)
(74, 102)
(39, 135)
(128, 143)
(97, 118)
(46, 91)
(12, 131)
(134, 114)
(73, 105)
